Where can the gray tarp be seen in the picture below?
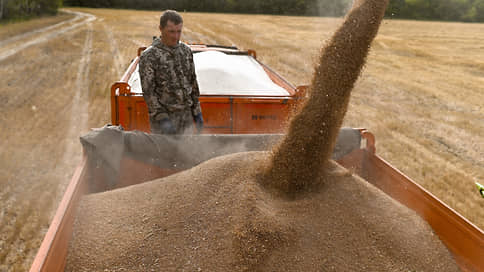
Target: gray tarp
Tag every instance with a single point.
(107, 146)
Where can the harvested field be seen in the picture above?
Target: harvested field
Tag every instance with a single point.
(421, 94)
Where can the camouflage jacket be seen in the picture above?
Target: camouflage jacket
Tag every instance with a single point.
(168, 80)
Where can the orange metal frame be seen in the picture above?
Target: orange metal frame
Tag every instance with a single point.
(464, 239)
(52, 254)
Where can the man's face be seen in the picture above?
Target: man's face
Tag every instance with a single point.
(170, 34)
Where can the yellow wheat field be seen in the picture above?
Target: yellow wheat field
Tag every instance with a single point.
(421, 94)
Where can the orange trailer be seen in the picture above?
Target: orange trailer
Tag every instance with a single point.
(234, 110)
(253, 119)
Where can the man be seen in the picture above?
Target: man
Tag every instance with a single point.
(168, 80)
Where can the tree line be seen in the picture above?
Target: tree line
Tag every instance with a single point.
(19, 9)
(282, 7)
(439, 10)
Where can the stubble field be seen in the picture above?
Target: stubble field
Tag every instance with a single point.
(421, 94)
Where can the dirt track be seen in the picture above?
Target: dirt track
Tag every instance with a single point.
(56, 87)
(44, 107)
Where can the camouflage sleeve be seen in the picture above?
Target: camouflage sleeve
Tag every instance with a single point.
(148, 85)
(196, 109)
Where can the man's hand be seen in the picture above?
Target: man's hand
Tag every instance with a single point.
(167, 127)
(198, 122)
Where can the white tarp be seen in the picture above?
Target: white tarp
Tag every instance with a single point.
(222, 74)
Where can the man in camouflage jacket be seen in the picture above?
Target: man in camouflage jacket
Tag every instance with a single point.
(168, 80)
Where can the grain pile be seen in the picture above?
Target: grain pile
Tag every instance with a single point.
(287, 210)
(216, 217)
